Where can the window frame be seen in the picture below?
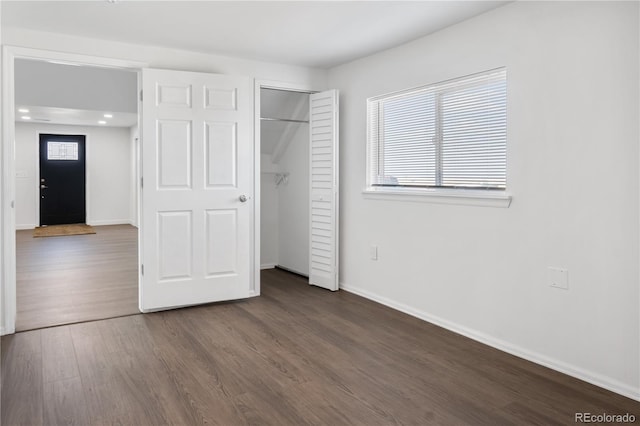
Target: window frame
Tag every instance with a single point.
(489, 196)
(68, 156)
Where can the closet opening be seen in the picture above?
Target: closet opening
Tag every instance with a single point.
(284, 180)
(298, 192)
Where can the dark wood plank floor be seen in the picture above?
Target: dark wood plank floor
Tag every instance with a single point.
(295, 355)
(62, 280)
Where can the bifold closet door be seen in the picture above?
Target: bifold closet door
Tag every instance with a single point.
(323, 190)
(197, 166)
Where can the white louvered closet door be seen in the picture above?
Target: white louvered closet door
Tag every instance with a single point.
(323, 177)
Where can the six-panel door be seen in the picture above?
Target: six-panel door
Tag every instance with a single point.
(197, 150)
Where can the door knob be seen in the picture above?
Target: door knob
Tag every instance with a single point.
(243, 198)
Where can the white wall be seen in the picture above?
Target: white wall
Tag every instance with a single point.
(284, 216)
(293, 200)
(268, 213)
(108, 160)
(41, 83)
(573, 164)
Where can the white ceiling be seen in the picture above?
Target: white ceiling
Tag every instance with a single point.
(308, 33)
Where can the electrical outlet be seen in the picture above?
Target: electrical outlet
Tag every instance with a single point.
(558, 277)
(373, 252)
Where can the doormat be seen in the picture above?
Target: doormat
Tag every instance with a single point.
(62, 230)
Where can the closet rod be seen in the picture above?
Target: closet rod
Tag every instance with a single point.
(288, 120)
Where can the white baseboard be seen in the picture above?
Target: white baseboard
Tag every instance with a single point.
(92, 223)
(268, 266)
(109, 222)
(2, 331)
(25, 227)
(554, 364)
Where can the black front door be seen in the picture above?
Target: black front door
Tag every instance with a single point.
(62, 179)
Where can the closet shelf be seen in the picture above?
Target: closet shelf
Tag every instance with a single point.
(288, 120)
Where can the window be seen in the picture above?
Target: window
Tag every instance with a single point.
(62, 150)
(446, 135)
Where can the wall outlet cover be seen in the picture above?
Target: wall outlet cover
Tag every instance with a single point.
(558, 277)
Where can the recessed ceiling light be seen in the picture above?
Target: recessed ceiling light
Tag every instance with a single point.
(108, 115)
(26, 117)
(23, 110)
(102, 122)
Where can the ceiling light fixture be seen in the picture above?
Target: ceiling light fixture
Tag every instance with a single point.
(23, 110)
(108, 116)
(102, 122)
(26, 117)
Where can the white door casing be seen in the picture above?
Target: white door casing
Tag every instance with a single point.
(8, 300)
(323, 190)
(197, 151)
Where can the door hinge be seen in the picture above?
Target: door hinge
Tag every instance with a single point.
(141, 182)
(142, 269)
(141, 96)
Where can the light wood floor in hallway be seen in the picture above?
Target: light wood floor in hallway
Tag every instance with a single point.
(295, 355)
(63, 280)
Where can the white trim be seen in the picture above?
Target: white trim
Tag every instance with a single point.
(8, 289)
(26, 227)
(441, 196)
(281, 85)
(9, 54)
(258, 84)
(268, 266)
(126, 221)
(99, 61)
(554, 364)
(139, 183)
(255, 231)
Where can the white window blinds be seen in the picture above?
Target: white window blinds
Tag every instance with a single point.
(451, 134)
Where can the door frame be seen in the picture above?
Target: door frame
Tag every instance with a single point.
(87, 210)
(265, 84)
(8, 188)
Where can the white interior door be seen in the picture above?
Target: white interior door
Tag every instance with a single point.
(323, 190)
(197, 168)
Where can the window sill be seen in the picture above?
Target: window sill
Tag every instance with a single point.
(468, 197)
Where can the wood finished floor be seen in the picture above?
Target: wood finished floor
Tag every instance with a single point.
(295, 355)
(62, 280)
